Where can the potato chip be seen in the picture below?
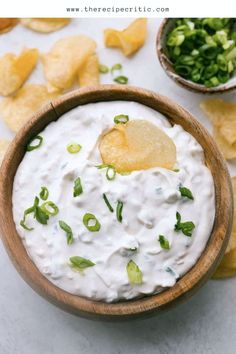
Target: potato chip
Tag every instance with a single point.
(3, 148)
(223, 115)
(63, 62)
(130, 39)
(6, 24)
(45, 25)
(14, 70)
(18, 109)
(229, 151)
(227, 266)
(137, 145)
(89, 72)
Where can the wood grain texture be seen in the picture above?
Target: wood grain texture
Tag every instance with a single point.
(166, 26)
(189, 283)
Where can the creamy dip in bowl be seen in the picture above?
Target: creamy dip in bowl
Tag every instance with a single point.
(150, 200)
(102, 237)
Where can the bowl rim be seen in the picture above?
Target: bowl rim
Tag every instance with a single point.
(168, 68)
(186, 285)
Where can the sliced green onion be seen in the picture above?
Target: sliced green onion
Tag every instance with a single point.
(107, 203)
(111, 173)
(119, 209)
(22, 222)
(44, 193)
(80, 263)
(74, 148)
(69, 234)
(116, 67)
(123, 80)
(135, 275)
(78, 189)
(185, 192)
(164, 243)
(103, 69)
(91, 222)
(32, 146)
(121, 119)
(186, 227)
(50, 208)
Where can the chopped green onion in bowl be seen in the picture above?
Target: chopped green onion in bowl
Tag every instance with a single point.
(203, 50)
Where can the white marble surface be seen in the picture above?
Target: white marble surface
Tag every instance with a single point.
(206, 324)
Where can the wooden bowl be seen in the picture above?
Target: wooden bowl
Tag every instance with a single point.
(185, 286)
(166, 26)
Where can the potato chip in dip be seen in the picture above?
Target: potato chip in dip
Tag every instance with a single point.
(109, 228)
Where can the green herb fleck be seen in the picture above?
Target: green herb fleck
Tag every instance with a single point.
(44, 193)
(123, 80)
(119, 209)
(135, 275)
(185, 192)
(107, 203)
(121, 119)
(91, 222)
(74, 148)
(78, 189)
(116, 67)
(50, 208)
(186, 227)
(103, 69)
(69, 234)
(164, 243)
(32, 146)
(80, 263)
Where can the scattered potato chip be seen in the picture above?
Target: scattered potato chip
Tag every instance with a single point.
(63, 62)
(18, 109)
(227, 267)
(6, 24)
(223, 116)
(229, 151)
(45, 25)
(137, 145)
(3, 148)
(89, 72)
(130, 39)
(14, 70)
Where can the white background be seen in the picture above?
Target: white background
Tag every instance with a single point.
(177, 8)
(29, 325)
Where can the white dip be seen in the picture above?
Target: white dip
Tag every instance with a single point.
(150, 199)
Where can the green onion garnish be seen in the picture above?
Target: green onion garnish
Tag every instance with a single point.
(69, 234)
(74, 148)
(119, 209)
(121, 119)
(116, 67)
(80, 263)
(22, 222)
(203, 50)
(91, 222)
(78, 189)
(107, 203)
(135, 275)
(44, 193)
(40, 215)
(164, 243)
(32, 146)
(50, 208)
(123, 80)
(103, 69)
(185, 192)
(186, 227)
(111, 173)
